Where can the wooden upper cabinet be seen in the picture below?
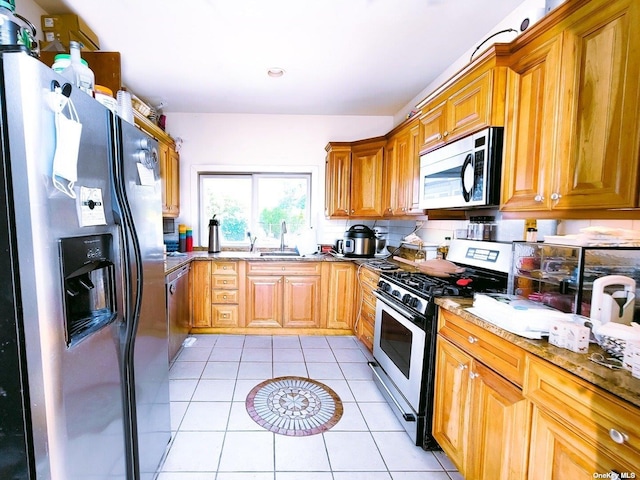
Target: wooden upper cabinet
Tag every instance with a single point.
(600, 110)
(402, 171)
(366, 179)
(533, 84)
(473, 101)
(353, 179)
(573, 107)
(337, 180)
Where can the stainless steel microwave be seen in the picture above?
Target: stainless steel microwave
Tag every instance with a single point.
(464, 173)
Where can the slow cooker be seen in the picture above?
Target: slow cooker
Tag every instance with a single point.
(359, 241)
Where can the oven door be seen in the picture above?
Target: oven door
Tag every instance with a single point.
(399, 348)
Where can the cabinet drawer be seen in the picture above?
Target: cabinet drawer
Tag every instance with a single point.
(369, 279)
(502, 356)
(365, 332)
(224, 281)
(368, 297)
(224, 268)
(224, 296)
(368, 313)
(284, 268)
(585, 408)
(224, 315)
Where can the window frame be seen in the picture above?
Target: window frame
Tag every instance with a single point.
(255, 176)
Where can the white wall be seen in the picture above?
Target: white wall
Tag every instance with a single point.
(233, 142)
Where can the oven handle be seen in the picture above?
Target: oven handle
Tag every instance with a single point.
(408, 417)
(405, 313)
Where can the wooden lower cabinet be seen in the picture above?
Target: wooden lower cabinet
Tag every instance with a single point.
(579, 430)
(200, 293)
(558, 452)
(283, 294)
(481, 419)
(215, 292)
(339, 291)
(557, 426)
(365, 321)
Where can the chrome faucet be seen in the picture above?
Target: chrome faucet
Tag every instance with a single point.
(283, 230)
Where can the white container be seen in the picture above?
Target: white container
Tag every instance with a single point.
(79, 74)
(105, 97)
(125, 107)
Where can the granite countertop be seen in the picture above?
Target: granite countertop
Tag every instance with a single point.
(172, 263)
(617, 382)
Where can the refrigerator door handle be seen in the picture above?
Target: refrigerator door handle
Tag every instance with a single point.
(132, 293)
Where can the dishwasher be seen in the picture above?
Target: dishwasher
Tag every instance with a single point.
(177, 283)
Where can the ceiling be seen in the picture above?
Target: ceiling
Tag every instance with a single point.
(341, 57)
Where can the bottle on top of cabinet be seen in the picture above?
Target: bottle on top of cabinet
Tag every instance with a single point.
(78, 72)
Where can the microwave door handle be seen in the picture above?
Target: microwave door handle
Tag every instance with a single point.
(468, 163)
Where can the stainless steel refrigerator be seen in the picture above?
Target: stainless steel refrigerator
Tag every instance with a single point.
(84, 391)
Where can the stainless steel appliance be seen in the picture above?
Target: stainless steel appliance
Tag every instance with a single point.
(359, 241)
(463, 173)
(177, 308)
(406, 327)
(85, 368)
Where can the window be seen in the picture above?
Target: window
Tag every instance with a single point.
(254, 204)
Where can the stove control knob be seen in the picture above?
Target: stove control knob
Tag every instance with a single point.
(395, 293)
(464, 282)
(406, 299)
(384, 286)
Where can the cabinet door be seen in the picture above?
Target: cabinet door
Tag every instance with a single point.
(399, 174)
(469, 108)
(433, 124)
(600, 113)
(497, 445)
(533, 83)
(337, 182)
(200, 293)
(557, 453)
(173, 182)
(264, 301)
(451, 402)
(341, 295)
(366, 181)
(413, 170)
(163, 152)
(301, 301)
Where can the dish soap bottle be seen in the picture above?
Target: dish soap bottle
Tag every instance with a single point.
(78, 72)
(443, 248)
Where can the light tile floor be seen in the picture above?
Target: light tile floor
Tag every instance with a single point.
(215, 439)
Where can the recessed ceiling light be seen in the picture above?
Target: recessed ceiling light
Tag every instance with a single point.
(275, 72)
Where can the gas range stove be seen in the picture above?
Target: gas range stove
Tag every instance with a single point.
(486, 267)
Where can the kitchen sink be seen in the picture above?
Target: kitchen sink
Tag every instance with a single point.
(287, 253)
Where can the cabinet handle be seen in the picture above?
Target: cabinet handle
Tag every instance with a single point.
(473, 375)
(224, 282)
(472, 339)
(224, 296)
(555, 196)
(439, 137)
(538, 198)
(462, 367)
(284, 268)
(224, 268)
(445, 134)
(353, 211)
(618, 437)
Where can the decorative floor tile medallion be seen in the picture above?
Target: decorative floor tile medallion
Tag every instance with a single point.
(294, 406)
